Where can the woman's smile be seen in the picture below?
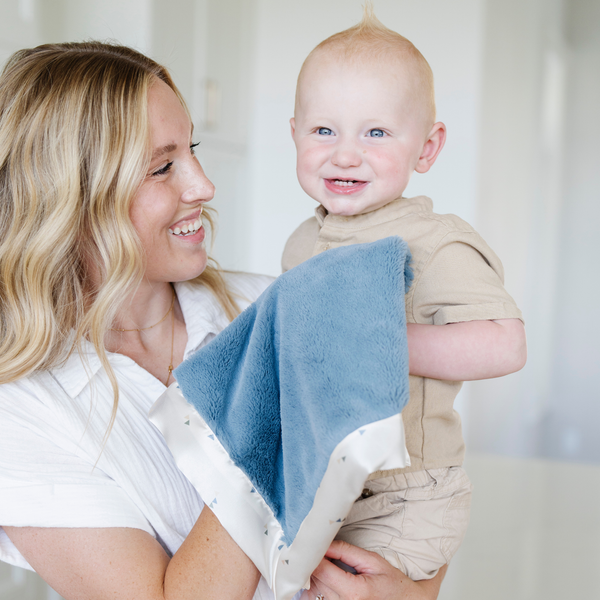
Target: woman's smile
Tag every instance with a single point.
(187, 226)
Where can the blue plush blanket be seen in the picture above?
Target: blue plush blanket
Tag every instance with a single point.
(319, 354)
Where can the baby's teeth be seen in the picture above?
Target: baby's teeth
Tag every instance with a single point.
(176, 231)
(184, 229)
(197, 224)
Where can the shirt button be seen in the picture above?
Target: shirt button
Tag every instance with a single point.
(326, 247)
(366, 493)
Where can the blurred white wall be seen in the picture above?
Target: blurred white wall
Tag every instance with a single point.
(573, 409)
(18, 27)
(538, 207)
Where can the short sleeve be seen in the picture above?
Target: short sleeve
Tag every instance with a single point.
(462, 280)
(44, 483)
(300, 244)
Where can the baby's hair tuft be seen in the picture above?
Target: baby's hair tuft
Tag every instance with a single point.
(371, 41)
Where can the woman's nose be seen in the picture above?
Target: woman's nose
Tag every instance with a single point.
(198, 187)
(346, 154)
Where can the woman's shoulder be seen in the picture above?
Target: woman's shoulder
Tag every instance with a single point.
(26, 391)
(247, 285)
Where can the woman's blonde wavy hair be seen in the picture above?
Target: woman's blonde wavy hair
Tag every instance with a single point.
(74, 148)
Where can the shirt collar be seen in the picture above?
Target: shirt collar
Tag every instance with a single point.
(393, 210)
(202, 314)
(78, 370)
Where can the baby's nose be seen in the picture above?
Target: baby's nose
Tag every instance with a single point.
(346, 154)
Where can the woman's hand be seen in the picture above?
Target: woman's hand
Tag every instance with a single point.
(375, 578)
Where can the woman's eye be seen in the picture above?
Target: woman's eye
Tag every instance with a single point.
(324, 131)
(192, 146)
(163, 170)
(376, 133)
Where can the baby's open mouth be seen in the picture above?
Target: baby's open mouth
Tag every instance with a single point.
(345, 186)
(345, 182)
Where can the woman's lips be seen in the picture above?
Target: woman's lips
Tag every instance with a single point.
(345, 186)
(188, 226)
(192, 237)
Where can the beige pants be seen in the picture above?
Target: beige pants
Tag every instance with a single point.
(416, 521)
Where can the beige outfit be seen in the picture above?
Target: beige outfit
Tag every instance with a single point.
(457, 277)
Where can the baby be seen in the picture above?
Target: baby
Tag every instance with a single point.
(364, 120)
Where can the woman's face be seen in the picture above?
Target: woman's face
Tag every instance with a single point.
(166, 211)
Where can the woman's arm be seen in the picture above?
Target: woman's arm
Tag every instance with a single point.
(467, 351)
(375, 578)
(128, 564)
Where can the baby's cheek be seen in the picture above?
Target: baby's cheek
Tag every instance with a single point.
(315, 153)
(306, 173)
(387, 163)
(310, 160)
(382, 155)
(396, 175)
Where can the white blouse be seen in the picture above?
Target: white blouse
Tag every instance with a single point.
(55, 470)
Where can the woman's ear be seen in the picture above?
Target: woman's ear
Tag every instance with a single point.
(293, 125)
(432, 147)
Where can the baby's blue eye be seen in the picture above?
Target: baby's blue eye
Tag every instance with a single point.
(376, 133)
(324, 131)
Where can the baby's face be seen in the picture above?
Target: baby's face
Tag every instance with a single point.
(359, 134)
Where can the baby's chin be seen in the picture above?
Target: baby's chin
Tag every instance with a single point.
(350, 207)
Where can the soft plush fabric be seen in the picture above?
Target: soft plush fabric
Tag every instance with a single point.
(321, 353)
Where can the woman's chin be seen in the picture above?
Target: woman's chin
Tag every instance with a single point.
(191, 272)
(177, 267)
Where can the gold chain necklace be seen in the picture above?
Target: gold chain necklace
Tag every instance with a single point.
(155, 324)
(172, 312)
(172, 343)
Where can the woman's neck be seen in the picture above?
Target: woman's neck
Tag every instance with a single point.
(150, 330)
(145, 308)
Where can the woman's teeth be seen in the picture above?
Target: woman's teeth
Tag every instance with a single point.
(186, 230)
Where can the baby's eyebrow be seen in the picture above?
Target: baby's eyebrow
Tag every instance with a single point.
(164, 150)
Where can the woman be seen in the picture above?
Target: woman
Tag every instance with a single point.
(105, 286)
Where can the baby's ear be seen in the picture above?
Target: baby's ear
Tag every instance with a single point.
(432, 147)
(293, 125)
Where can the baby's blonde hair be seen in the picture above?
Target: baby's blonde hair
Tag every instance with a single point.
(371, 41)
(74, 149)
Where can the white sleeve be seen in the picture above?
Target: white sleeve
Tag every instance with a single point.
(44, 483)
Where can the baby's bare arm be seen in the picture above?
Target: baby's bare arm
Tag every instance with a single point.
(467, 351)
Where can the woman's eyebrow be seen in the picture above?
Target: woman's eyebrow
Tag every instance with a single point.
(164, 150)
